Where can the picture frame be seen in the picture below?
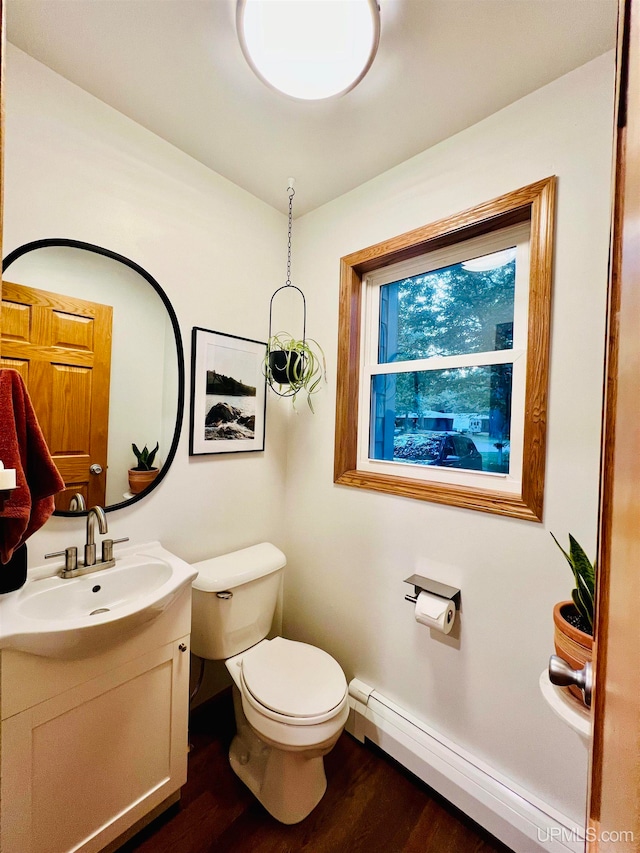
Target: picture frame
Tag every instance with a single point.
(228, 393)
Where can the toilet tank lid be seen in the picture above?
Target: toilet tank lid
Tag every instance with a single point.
(218, 574)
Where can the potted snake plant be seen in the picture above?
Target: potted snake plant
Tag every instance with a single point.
(573, 620)
(142, 474)
(294, 366)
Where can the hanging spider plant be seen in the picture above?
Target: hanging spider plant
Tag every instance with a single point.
(292, 366)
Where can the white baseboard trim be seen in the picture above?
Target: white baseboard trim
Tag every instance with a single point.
(517, 818)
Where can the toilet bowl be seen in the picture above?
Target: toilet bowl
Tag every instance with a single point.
(291, 704)
(290, 698)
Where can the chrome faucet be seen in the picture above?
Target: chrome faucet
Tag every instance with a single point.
(72, 568)
(95, 513)
(77, 503)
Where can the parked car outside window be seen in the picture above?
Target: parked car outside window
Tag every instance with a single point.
(442, 449)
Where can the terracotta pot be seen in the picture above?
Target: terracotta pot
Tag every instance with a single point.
(140, 480)
(571, 644)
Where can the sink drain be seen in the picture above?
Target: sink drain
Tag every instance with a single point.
(99, 610)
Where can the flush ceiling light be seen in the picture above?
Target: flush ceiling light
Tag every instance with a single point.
(309, 49)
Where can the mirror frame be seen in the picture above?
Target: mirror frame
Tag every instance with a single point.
(107, 253)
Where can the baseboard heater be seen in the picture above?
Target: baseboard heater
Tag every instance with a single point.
(515, 817)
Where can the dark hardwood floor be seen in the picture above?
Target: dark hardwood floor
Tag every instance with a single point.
(371, 804)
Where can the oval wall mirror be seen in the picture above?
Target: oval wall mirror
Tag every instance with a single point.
(99, 347)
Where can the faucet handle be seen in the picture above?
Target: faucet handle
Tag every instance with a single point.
(107, 547)
(70, 558)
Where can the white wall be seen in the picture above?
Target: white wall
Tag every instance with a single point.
(349, 549)
(76, 168)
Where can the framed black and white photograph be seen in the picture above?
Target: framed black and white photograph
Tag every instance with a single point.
(228, 393)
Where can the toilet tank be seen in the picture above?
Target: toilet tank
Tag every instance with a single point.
(234, 600)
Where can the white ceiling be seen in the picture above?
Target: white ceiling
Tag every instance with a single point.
(175, 67)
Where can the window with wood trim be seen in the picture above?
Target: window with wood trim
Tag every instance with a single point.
(443, 358)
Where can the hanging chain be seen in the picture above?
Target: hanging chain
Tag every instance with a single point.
(292, 192)
(292, 391)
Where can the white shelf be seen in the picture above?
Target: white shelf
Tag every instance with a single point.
(577, 717)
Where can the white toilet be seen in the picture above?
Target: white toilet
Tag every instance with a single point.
(290, 698)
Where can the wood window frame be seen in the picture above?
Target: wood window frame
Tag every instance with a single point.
(534, 203)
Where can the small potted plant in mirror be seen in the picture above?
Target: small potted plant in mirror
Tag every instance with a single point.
(292, 366)
(142, 474)
(573, 620)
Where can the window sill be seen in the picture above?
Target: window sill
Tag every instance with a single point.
(500, 503)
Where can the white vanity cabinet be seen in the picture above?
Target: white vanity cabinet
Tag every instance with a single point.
(95, 746)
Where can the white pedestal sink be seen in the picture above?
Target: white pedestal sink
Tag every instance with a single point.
(77, 617)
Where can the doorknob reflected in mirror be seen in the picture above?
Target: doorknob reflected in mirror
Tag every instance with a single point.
(95, 468)
(561, 674)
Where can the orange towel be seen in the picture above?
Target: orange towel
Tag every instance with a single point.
(22, 446)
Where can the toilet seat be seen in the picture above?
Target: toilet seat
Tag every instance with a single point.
(292, 682)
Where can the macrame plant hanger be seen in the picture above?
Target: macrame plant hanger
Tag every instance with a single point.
(287, 285)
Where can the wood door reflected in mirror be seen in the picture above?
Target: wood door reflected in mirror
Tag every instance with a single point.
(61, 346)
(98, 345)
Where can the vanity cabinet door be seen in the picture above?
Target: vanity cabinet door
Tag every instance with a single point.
(81, 768)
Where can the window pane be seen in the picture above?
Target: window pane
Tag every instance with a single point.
(463, 308)
(456, 418)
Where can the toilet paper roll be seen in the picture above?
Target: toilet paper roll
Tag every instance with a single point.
(435, 612)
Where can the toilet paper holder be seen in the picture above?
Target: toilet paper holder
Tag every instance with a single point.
(421, 584)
